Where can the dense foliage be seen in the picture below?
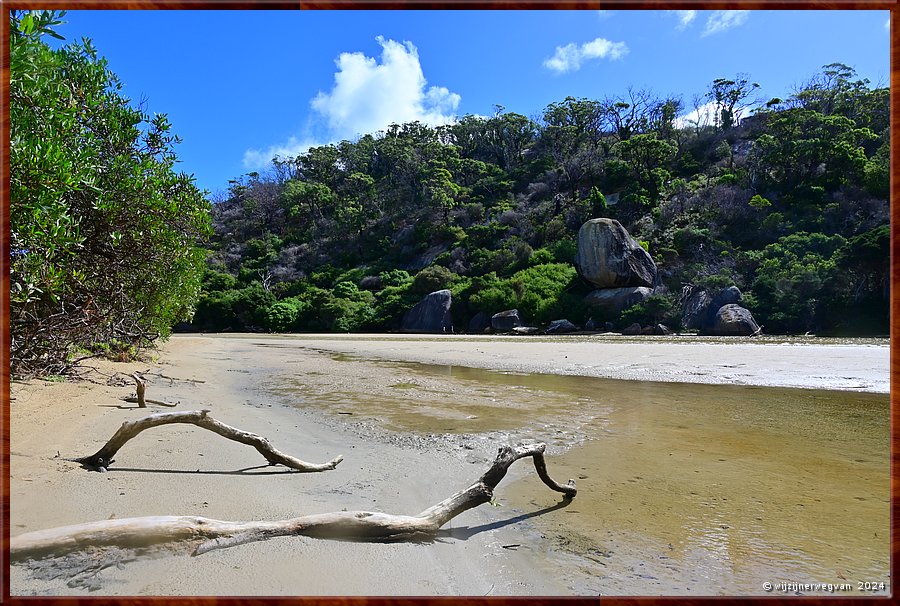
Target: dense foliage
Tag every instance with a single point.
(104, 233)
(788, 203)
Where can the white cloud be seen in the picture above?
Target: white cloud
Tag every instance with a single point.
(368, 96)
(604, 14)
(720, 21)
(887, 24)
(570, 57)
(684, 17)
(702, 116)
(255, 159)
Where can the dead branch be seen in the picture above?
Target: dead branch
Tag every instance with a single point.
(141, 386)
(103, 457)
(208, 534)
(141, 389)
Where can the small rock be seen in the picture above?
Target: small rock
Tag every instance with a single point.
(558, 327)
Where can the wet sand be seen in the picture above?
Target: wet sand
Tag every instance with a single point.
(408, 443)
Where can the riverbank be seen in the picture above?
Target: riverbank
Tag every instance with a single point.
(182, 470)
(410, 438)
(804, 362)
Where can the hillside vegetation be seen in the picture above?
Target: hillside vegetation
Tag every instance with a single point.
(788, 203)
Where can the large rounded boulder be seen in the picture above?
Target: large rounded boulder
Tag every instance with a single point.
(505, 321)
(430, 315)
(608, 257)
(700, 306)
(734, 320)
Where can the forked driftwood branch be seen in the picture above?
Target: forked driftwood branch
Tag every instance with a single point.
(208, 534)
(101, 459)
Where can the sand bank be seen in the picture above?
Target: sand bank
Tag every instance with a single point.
(182, 470)
(319, 396)
(860, 365)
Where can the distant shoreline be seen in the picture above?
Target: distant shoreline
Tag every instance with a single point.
(800, 362)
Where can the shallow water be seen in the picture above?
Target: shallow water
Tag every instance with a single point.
(683, 488)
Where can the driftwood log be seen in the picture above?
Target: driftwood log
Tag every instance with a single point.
(102, 459)
(207, 534)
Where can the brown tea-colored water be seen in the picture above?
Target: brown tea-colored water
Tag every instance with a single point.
(683, 488)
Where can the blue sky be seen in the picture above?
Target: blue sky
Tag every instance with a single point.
(241, 86)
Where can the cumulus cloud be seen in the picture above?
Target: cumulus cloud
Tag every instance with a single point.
(684, 17)
(570, 57)
(887, 24)
(255, 159)
(720, 21)
(702, 116)
(367, 96)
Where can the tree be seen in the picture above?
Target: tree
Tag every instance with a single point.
(646, 157)
(630, 114)
(731, 97)
(104, 232)
(803, 147)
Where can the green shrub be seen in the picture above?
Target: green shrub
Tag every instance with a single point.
(216, 280)
(250, 305)
(540, 257)
(564, 250)
(538, 292)
(657, 309)
(728, 179)
(346, 290)
(215, 311)
(104, 229)
(432, 278)
(282, 315)
(395, 277)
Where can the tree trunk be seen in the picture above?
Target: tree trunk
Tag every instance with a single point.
(103, 457)
(207, 534)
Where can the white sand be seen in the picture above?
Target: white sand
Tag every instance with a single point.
(769, 362)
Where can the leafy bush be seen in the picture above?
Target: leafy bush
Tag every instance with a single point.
(395, 277)
(537, 292)
(793, 278)
(103, 230)
(432, 278)
(282, 316)
(540, 257)
(346, 290)
(657, 309)
(216, 280)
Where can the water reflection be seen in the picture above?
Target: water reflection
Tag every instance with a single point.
(683, 488)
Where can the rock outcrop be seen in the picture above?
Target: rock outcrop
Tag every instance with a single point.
(558, 327)
(430, 315)
(633, 329)
(505, 321)
(695, 308)
(608, 257)
(479, 323)
(614, 300)
(701, 311)
(734, 320)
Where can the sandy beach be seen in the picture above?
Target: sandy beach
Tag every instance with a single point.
(319, 396)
